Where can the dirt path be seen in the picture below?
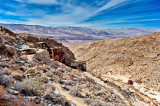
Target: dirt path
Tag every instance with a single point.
(97, 80)
(76, 100)
(114, 88)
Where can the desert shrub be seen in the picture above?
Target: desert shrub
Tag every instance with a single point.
(3, 50)
(3, 92)
(19, 86)
(30, 71)
(75, 91)
(6, 71)
(94, 102)
(4, 80)
(7, 51)
(10, 52)
(57, 99)
(33, 85)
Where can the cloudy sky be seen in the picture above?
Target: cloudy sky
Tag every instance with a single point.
(82, 13)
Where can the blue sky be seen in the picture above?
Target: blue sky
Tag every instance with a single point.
(82, 13)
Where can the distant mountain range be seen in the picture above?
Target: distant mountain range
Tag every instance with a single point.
(78, 33)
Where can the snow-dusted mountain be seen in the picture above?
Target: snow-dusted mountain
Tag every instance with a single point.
(78, 33)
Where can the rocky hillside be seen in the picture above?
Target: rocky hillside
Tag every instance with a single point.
(136, 58)
(37, 80)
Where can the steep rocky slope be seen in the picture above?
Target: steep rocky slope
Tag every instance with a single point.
(136, 58)
(21, 38)
(37, 80)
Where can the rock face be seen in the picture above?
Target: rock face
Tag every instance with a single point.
(134, 57)
(8, 37)
(50, 42)
(43, 57)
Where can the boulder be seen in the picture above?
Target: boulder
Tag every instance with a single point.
(17, 76)
(83, 94)
(14, 68)
(23, 57)
(97, 75)
(66, 87)
(67, 82)
(11, 51)
(49, 73)
(99, 93)
(130, 82)
(30, 71)
(66, 77)
(42, 57)
(44, 79)
(55, 78)
(16, 93)
(23, 68)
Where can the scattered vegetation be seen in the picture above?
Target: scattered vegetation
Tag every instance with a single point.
(4, 80)
(8, 52)
(94, 102)
(33, 85)
(3, 92)
(6, 71)
(3, 50)
(75, 91)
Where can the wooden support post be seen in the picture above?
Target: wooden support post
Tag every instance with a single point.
(52, 54)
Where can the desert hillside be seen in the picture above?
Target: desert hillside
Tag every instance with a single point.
(136, 58)
(30, 75)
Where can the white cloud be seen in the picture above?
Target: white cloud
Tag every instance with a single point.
(108, 5)
(71, 14)
(41, 2)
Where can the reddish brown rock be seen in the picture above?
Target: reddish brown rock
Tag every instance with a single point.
(130, 82)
